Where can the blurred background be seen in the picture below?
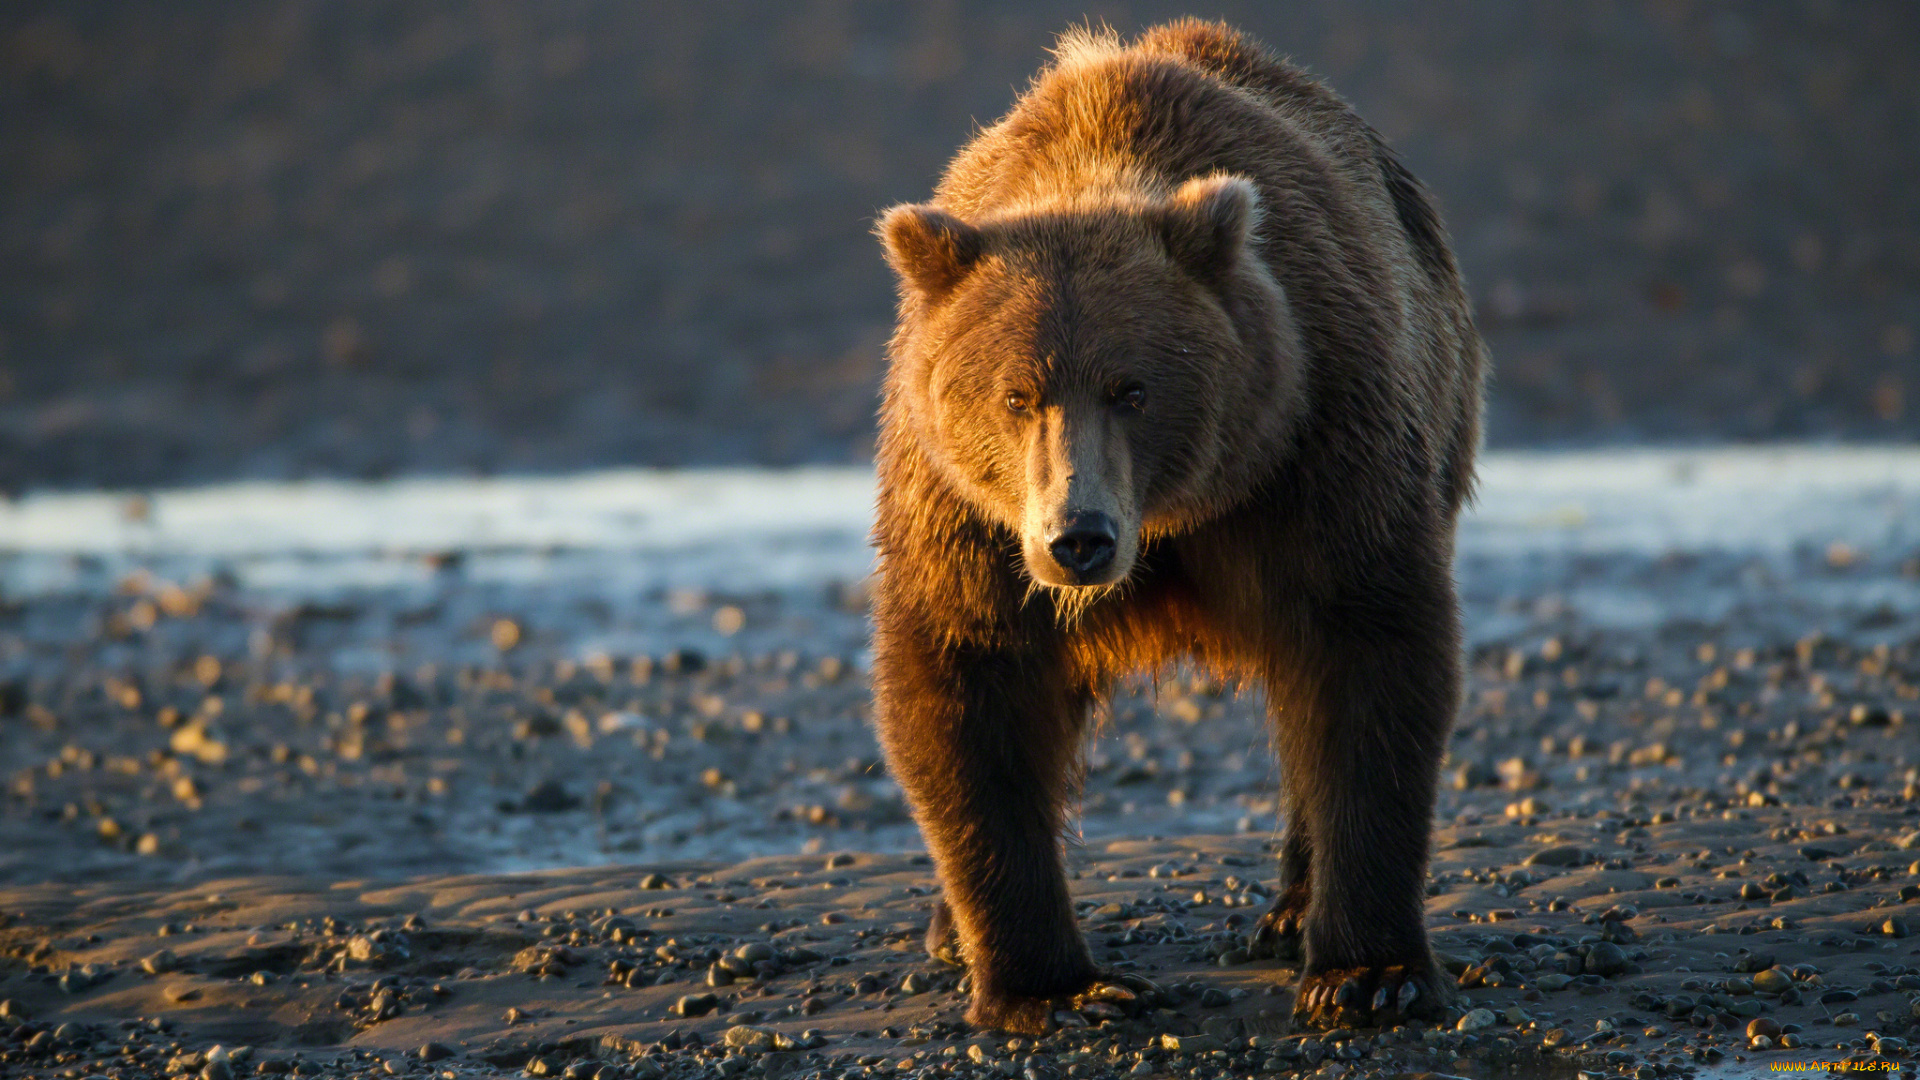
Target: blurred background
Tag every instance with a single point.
(323, 238)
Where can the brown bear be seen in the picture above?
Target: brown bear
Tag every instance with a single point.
(1184, 370)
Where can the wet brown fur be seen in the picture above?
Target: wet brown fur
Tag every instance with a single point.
(1313, 387)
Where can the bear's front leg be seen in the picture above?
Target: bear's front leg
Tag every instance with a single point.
(1374, 700)
(982, 743)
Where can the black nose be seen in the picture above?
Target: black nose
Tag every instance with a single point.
(1085, 544)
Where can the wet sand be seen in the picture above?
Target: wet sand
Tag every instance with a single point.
(335, 821)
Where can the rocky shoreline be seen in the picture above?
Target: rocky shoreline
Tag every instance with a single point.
(497, 818)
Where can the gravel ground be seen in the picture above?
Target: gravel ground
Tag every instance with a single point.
(340, 237)
(520, 816)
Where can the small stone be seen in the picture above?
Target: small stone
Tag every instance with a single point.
(1560, 855)
(1476, 1020)
(159, 963)
(180, 992)
(1191, 1044)
(695, 1005)
(1761, 1026)
(754, 952)
(1214, 998)
(1771, 981)
(751, 1040)
(1605, 959)
(433, 1051)
(914, 983)
(1472, 775)
(655, 881)
(549, 797)
(1895, 928)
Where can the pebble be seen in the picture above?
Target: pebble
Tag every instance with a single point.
(549, 797)
(1605, 959)
(748, 1039)
(1476, 1020)
(1191, 1044)
(1560, 855)
(1771, 981)
(693, 1005)
(1472, 775)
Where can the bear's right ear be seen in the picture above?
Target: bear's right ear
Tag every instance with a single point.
(1210, 222)
(930, 249)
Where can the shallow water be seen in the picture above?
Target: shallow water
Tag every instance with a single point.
(747, 530)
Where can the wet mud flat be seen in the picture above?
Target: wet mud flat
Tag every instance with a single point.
(481, 821)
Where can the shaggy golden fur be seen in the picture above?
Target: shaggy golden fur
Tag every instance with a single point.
(1180, 298)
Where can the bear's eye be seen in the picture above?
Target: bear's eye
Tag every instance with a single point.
(1132, 396)
(1016, 401)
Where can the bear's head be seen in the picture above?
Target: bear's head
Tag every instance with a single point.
(1093, 372)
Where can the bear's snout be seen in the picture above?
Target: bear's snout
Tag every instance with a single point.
(1084, 546)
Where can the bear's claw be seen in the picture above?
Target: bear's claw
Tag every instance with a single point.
(1110, 996)
(1374, 996)
(943, 939)
(1277, 935)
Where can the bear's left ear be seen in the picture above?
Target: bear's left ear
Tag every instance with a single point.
(929, 248)
(1209, 222)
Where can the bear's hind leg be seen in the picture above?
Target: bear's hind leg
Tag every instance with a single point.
(1277, 935)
